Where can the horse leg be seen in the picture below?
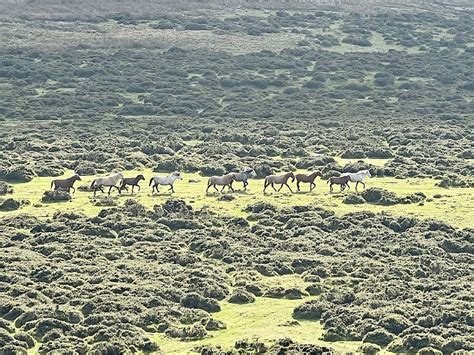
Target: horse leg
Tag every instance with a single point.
(230, 187)
(312, 186)
(357, 184)
(74, 189)
(171, 188)
(110, 189)
(298, 185)
(245, 185)
(139, 188)
(216, 188)
(363, 183)
(132, 188)
(288, 187)
(330, 188)
(274, 187)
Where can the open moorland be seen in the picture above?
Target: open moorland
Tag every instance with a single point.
(206, 89)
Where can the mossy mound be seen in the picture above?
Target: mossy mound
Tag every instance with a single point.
(241, 296)
(353, 199)
(55, 196)
(9, 204)
(5, 188)
(384, 197)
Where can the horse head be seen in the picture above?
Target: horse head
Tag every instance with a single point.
(76, 177)
(292, 176)
(140, 177)
(177, 175)
(367, 173)
(251, 173)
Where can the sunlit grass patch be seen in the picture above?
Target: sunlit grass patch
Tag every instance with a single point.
(266, 320)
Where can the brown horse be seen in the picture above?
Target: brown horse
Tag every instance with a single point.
(343, 181)
(280, 180)
(65, 184)
(132, 182)
(307, 178)
(225, 180)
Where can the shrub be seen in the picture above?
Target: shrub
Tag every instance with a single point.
(369, 348)
(379, 336)
(353, 199)
(211, 170)
(312, 310)
(379, 196)
(9, 204)
(395, 323)
(361, 42)
(55, 196)
(20, 174)
(314, 289)
(241, 296)
(5, 188)
(194, 300)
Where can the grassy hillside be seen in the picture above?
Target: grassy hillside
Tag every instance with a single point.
(205, 89)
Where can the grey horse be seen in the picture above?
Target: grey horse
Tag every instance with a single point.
(244, 176)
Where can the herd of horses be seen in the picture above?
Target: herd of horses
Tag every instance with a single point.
(120, 183)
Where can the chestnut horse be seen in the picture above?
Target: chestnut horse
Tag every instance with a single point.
(65, 184)
(307, 178)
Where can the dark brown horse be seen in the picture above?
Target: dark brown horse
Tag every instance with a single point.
(132, 182)
(65, 184)
(343, 181)
(307, 178)
(280, 180)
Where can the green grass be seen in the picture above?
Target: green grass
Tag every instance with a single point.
(266, 320)
(456, 206)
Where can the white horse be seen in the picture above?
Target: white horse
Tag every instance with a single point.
(358, 177)
(165, 180)
(109, 181)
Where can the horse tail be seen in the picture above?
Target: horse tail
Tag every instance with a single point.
(93, 183)
(209, 182)
(151, 180)
(327, 181)
(52, 183)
